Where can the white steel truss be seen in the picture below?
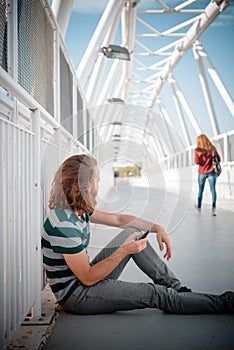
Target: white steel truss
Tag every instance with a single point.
(204, 62)
(154, 52)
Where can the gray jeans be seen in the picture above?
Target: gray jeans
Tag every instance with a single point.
(112, 294)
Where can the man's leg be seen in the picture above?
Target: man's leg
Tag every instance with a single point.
(152, 265)
(111, 295)
(147, 260)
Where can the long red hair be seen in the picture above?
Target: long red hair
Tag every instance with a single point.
(204, 145)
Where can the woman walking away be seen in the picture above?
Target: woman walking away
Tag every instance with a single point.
(203, 156)
(87, 287)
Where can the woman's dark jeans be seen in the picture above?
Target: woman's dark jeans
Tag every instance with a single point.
(201, 183)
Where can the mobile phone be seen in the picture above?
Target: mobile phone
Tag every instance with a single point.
(143, 235)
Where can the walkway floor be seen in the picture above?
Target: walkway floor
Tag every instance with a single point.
(202, 258)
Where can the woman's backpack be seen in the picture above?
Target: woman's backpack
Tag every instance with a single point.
(216, 164)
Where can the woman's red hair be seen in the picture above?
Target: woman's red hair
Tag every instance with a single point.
(204, 145)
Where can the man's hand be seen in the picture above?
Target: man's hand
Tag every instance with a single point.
(163, 238)
(131, 246)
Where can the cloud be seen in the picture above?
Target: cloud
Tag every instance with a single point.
(225, 19)
(97, 7)
(147, 4)
(89, 6)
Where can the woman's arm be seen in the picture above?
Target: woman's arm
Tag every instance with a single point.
(124, 220)
(197, 157)
(90, 275)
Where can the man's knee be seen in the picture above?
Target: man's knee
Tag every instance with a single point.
(130, 230)
(125, 233)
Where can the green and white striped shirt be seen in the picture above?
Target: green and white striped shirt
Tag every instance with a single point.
(63, 233)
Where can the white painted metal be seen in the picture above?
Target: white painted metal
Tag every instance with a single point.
(128, 21)
(225, 146)
(90, 130)
(181, 99)
(74, 111)
(98, 71)
(211, 12)
(181, 116)
(121, 85)
(164, 112)
(184, 4)
(109, 86)
(85, 123)
(36, 127)
(199, 52)
(62, 10)
(156, 145)
(165, 7)
(87, 62)
(162, 69)
(148, 144)
(24, 96)
(2, 247)
(18, 292)
(207, 97)
(166, 118)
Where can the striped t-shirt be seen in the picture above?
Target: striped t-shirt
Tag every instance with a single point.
(63, 233)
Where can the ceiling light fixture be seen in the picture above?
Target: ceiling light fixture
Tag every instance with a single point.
(115, 51)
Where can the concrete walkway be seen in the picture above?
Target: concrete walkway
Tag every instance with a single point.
(203, 259)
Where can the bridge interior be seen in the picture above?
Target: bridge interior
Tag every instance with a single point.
(202, 259)
(144, 87)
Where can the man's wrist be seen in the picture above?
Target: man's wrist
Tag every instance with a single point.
(156, 228)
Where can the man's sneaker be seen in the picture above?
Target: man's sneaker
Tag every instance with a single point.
(184, 290)
(198, 208)
(214, 213)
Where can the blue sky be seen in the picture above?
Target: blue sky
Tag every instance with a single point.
(217, 41)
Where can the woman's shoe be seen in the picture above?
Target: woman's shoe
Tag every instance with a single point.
(214, 213)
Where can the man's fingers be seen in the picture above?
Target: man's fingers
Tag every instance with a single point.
(160, 245)
(167, 255)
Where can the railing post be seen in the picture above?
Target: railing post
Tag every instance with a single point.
(75, 111)
(37, 213)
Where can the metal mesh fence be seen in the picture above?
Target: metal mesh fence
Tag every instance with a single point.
(66, 93)
(3, 34)
(36, 52)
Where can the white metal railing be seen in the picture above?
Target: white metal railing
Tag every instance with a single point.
(36, 135)
(184, 161)
(19, 248)
(223, 142)
(28, 163)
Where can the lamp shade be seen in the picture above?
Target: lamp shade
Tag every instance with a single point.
(115, 100)
(115, 51)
